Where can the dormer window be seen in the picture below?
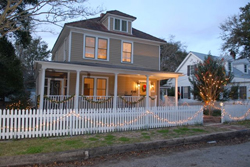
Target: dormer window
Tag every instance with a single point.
(120, 25)
(245, 68)
(229, 66)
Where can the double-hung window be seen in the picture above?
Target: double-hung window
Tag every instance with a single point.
(95, 86)
(120, 25)
(96, 48)
(127, 55)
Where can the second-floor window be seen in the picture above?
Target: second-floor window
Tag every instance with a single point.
(245, 68)
(96, 48)
(120, 25)
(229, 66)
(127, 52)
(190, 70)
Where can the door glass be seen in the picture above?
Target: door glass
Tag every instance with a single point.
(101, 87)
(88, 86)
(55, 87)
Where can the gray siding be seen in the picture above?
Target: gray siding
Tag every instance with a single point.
(76, 47)
(144, 55)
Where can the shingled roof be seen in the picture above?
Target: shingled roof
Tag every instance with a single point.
(95, 24)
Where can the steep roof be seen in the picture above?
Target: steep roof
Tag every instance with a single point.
(116, 12)
(95, 24)
(202, 56)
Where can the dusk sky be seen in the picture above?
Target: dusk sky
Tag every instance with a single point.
(195, 23)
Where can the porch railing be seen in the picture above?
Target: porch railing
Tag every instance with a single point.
(58, 102)
(96, 102)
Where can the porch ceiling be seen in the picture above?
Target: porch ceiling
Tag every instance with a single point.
(106, 69)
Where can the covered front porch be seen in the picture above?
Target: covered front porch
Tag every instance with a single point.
(61, 85)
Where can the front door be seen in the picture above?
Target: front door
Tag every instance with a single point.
(55, 87)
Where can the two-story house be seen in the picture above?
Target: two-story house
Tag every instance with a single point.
(239, 68)
(102, 62)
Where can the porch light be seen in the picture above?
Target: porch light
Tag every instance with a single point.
(221, 104)
(152, 85)
(138, 84)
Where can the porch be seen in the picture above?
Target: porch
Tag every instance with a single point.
(61, 85)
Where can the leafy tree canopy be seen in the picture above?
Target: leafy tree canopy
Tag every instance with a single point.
(236, 33)
(172, 54)
(11, 76)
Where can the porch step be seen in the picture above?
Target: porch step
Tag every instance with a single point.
(211, 119)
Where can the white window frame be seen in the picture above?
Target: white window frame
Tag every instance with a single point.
(120, 25)
(132, 51)
(96, 47)
(95, 83)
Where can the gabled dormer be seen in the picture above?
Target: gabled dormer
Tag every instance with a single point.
(241, 65)
(117, 21)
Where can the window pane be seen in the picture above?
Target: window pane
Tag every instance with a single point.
(102, 54)
(102, 49)
(117, 24)
(101, 87)
(126, 57)
(124, 25)
(90, 52)
(88, 86)
(90, 41)
(126, 47)
(102, 43)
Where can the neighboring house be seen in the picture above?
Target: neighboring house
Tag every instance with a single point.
(239, 68)
(102, 62)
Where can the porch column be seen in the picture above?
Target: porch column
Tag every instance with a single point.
(115, 91)
(147, 93)
(42, 73)
(77, 89)
(176, 91)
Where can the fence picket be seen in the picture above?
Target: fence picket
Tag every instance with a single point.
(60, 122)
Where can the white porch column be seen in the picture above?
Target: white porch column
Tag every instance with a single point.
(115, 91)
(77, 89)
(42, 73)
(176, 91)
(68, 81)
(147, 93)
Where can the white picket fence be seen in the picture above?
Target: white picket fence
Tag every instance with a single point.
(16, 124)
(232, 113)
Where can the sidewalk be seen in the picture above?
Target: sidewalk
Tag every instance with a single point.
(231, 131)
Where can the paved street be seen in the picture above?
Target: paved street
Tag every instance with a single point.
(217, 156)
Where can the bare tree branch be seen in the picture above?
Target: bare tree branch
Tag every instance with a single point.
(40, 11)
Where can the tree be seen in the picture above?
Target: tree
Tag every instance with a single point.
(210, 78)
(15, 13)
(37, 50)
(236, 33)
(172, 54)
(11, 77)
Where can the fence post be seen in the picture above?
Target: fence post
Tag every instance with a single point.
(71, 122)
(222, 113)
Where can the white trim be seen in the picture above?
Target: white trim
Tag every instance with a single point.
(95, 82)
(184, 61)
(68, 82)
(55, 79)
(109, 23)
(120, 17)
(70, 39)
(96, 47)
(120, 25)
(132, 51)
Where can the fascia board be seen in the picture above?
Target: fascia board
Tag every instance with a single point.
(115, 36)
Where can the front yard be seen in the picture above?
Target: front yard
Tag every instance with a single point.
(57, 144)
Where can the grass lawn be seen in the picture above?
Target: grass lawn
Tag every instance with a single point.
(56, 144)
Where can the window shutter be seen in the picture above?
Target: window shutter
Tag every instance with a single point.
(188, 70)
(188, 92)
(182, 92)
